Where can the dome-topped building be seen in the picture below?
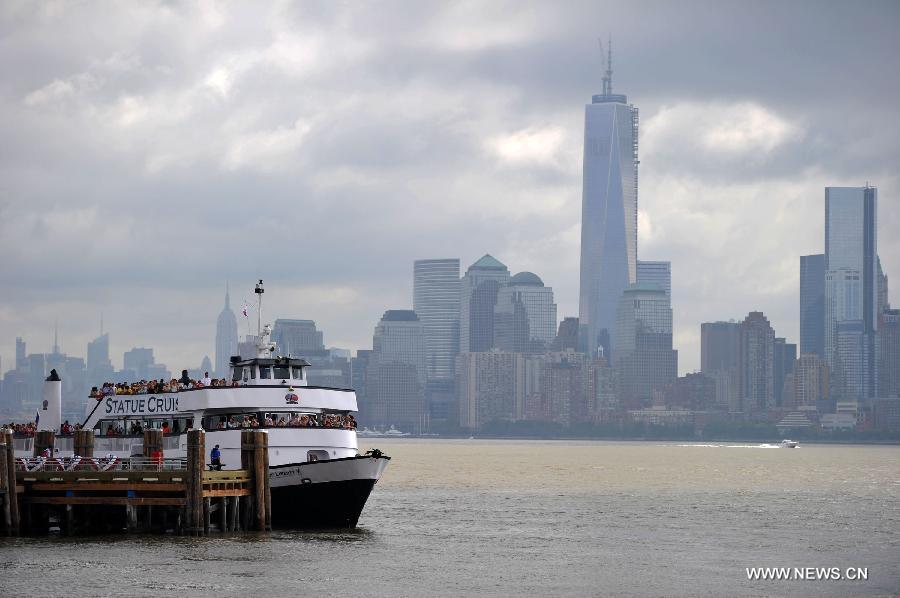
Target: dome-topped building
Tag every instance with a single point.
(526, 279)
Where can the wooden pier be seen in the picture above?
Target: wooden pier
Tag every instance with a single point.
(137, 494)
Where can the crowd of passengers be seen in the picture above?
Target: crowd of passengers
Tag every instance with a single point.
(136, 428)
(298, 420)
(27, 430)
(109, 389)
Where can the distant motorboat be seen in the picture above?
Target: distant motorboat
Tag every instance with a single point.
(367, 433)
(789, 443)
(393, 432)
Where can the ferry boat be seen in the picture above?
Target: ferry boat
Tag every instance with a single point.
(317, 477)
(786, 443)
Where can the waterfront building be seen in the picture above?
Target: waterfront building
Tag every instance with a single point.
(889, 353)
(695, 391)
(524, 315)
(491, 387)
(883, 302)
(757, 364)
(298, 338)
(395, 375)
(478, 297)
(226, 338)
(720, 358)
(436, 301)
(783, 358)
(565, 387)
(644, 359)
(851, 293)
(566, 335)
(658, 273)
(608, 213)
(99, 367)
(812, 304)
(807, 383)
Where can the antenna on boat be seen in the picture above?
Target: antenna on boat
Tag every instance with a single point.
(259, 290)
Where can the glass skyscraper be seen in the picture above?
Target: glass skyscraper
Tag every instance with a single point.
(812, 304)
(436, 303)
(644, 359)
(608, 213)
(658, 273)
(525, 314)
(478, 296)
(851, 296)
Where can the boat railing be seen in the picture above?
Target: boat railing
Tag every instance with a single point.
(108, 463)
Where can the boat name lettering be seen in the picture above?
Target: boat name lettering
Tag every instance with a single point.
(123, 406)
(280, 473)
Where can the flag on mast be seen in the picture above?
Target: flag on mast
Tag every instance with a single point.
(245, 310)
(37, 417)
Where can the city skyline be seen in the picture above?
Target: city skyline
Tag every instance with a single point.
(727, 149)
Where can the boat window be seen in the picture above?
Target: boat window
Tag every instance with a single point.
(298, 372)
(265, 373)
(316, 456)
(282, 372)
(236, 374)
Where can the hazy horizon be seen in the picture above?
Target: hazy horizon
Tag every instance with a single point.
(155, 151)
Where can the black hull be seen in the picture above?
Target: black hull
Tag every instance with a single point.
(332, 505)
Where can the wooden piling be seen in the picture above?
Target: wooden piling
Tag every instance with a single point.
(4, 488)
(261, 477)
(8, 439)
(84, 443)
(153, 444)
(44, 439)
(255, 460)
(196, 460)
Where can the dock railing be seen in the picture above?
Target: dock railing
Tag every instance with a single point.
(109, 463)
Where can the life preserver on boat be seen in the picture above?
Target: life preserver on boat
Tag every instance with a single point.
(106, 463)
(36, 464)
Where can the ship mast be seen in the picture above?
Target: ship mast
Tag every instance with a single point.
(259, 290)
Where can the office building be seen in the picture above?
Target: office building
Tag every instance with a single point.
(491, 387)
(756, 364)
(478, 297)
(720, 358)
(395, 376)
(812, 304)
(658, 273)
(644, 359)
(608, 213)
(298, 338)
(524, 315)
(226, 338)
(851, 289)
(783, 358)
(889, 353)
(436, 298)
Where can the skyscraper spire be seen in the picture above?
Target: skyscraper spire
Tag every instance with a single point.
(56, 337)
(227, 299)
(607, 78)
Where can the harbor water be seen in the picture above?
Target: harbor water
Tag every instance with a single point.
(534, 518)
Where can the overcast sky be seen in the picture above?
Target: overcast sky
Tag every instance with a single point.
(152, 151)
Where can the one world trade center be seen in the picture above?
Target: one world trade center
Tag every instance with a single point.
(608, 214)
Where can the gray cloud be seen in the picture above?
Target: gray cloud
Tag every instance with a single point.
(153, 151)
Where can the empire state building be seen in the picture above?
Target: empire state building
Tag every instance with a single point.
(226, 338)
(608, 214)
